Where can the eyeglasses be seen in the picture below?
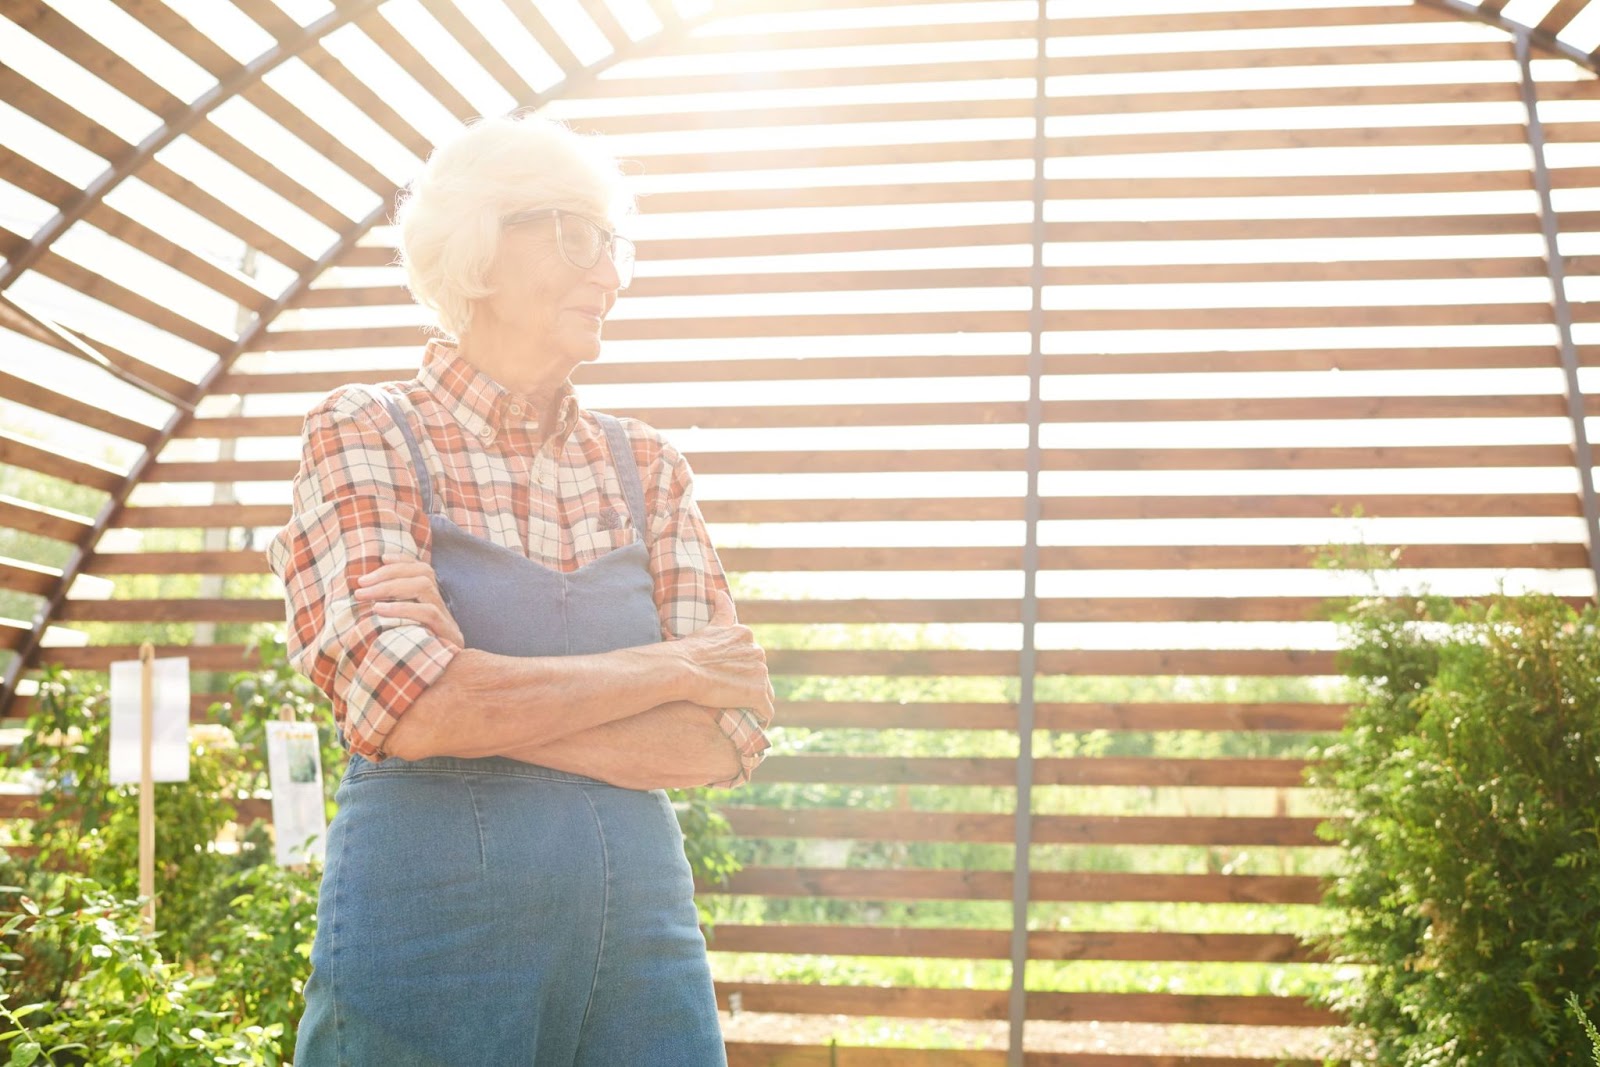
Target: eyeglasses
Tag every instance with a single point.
(581, 241)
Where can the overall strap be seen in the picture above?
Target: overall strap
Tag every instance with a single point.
(418, 466)
(627, 471)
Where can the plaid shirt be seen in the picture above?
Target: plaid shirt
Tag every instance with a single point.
(356, 499)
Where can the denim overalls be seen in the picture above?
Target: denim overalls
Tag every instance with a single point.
(489, 912)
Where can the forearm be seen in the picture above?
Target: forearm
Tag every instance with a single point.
(677, 745)
(488, 705)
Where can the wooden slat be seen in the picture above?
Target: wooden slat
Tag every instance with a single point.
(482, 51)
(1277, 58)
(1266, 716)
(615, 33)
(1125, 103)
(976, 827)
(371, 103)
(1373, 457)
(318, 138)
(400, 49)
(135, 234)
(998, 277)
(766, 1054)
(201, 657)
(28, 176)
(20, 576)
(1178, 1008)
(212, 516)
(22, 453)
(1559, 16)
(113, 294)
(235, 562)
(972, 771)
(22, 391)
(145, 372)
(191, 610)
(254, 232)
(879, 367)
(948, 943)
(554, 46)
(1052, 886)
(44, 521)
(983, 1004)
(1315, 506)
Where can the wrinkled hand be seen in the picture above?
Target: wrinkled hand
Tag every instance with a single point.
(408, 589)
(728, 668)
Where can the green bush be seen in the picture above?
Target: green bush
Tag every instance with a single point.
(1467, 786)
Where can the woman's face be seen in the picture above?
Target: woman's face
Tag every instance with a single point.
(549, 306)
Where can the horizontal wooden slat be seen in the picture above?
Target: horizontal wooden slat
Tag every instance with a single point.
(23, 453)
(23, 577)
(865, 825)
(1128, 103)
(1058, 886)
(985, 1004)
(1268, 716)
(22, 391)
(46, 522)
(970, 771)
(769, 1054)
(188, 610)
(813, 368)
(201, 657)
(947, 943)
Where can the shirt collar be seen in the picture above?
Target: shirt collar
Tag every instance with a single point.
(482, 405)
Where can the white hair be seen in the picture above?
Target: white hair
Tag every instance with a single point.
(450, 215)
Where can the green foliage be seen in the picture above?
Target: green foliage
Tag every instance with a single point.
(124, 1003)
(1467, 786)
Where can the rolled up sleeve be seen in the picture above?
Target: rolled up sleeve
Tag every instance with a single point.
(687, 575)
(355, 501)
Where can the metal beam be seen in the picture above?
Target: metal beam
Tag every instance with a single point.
(1021, 876)
(1550, 225)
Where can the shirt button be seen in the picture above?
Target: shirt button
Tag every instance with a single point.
(487, 433)
(516, 410)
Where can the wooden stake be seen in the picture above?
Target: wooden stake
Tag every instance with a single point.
(147, 792)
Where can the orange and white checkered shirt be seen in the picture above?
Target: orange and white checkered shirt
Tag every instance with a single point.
(356, 500)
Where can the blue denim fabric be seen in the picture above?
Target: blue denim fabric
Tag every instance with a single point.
(484, 913)
(491, 913)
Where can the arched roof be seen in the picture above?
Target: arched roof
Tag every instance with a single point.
(188, 171)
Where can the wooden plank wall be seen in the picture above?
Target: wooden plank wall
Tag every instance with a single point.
(1289, 269)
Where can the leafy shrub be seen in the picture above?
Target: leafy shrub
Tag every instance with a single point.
(124, 1003)
(1467, 786)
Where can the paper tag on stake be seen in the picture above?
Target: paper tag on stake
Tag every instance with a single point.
(299, 816)
(169, 738)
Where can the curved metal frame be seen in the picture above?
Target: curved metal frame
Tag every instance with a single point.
(245, 342)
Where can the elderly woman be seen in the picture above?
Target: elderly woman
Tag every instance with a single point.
(513, 605)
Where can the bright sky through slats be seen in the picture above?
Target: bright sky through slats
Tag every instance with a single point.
(1084, 146)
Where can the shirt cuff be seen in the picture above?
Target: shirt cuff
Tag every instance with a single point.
(743, 729)
(399, 667)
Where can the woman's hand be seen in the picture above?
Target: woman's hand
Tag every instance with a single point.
(727, 668)
(408, 589)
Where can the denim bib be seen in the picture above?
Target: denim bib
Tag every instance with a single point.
(510, 605)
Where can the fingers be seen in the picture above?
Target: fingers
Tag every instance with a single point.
(432, 616)
(722, 613)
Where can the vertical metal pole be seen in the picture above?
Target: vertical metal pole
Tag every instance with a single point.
(1550, 224)
(1027, 661)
